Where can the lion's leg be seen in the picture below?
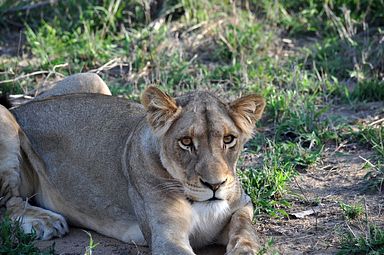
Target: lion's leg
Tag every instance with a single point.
(239, 235)
(77, 83)
(169, 225)
(17, 183)
(9, 157)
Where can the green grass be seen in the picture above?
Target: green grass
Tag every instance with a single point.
(375, 176)
(372, 138)
(369, 90)
(351, 211)
(266, 184)
(92, 245)
(13, 241)
(375, 138)
(371, 242)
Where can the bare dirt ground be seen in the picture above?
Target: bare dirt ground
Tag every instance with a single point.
(77, 241)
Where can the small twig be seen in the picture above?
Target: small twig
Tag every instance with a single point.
(369, 162)
(108, 66)
(49, 75)
(341, 145)
(376, 122)
(30, 7)
(20, 96)
(197, 26)
(350, 229)
(24, 76)
(229, 46)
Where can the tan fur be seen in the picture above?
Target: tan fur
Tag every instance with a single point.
(119, 168)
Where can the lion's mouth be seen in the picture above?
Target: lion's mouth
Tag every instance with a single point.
(212, 199)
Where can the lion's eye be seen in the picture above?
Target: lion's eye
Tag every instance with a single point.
(229, 140)
(186, 143)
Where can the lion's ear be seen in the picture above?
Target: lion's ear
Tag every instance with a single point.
(161, 109)
(245, 111)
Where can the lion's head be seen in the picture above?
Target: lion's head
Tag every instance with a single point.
(201, 138)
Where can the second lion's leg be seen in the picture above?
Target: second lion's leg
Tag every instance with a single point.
(9, 157)
(18, 183)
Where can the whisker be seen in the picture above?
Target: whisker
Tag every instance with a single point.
(169, 185)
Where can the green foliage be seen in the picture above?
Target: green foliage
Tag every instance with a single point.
(267, 248)
(82, 48)
(375, 137)
(375, 175)
(352, 211)
(69, 15)
(266, 184)
(371, 137)
(13, 241)
(310, 16)
(92, 245)
(356, 56)
(371, 243)
(369, 90)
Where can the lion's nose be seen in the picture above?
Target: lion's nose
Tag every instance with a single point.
(213, 186)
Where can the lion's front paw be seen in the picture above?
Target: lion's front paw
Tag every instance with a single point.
(44, 223)
(242, 246)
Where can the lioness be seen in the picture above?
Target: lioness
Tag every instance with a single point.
(162, 173)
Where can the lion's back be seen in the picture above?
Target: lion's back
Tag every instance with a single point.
(81, 138)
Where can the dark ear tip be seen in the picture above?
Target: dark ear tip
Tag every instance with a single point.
(4, 100)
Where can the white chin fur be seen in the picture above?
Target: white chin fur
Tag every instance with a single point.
(208, 218)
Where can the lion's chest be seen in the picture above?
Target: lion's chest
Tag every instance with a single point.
(208, 219)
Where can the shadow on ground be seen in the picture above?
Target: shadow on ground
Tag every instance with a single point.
(76, 242)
